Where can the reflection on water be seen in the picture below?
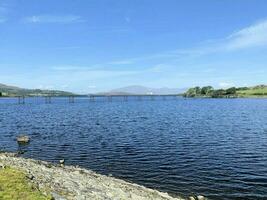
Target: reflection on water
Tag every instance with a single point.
(214, 147)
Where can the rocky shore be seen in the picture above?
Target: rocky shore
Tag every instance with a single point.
(74, 183)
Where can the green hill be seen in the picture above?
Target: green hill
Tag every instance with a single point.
(11, 91)
(259, 90)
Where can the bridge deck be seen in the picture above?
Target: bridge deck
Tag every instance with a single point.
(93, 97)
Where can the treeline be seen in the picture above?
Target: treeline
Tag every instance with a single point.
(32, 92)
(209, 91)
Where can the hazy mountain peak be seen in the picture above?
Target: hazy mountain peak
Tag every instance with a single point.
(139, 89)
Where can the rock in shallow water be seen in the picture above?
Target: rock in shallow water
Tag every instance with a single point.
(23, 139)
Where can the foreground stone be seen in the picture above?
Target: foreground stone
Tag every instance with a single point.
(73, 183)
(23, 139)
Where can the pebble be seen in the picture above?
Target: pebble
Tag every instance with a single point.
(2, 166)
(200, 197)
(56, 196)
(30, 176)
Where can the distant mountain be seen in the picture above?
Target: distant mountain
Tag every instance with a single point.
(137, 89)
(6, 90)
(8, 87)
(114, 93)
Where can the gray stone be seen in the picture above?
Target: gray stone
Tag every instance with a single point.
(200, 197)
(57, 196)
(23, 139)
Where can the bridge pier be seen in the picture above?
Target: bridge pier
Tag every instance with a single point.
(71, 99)
(21, 100)
(125, 98)
(92, 98)
(48, 99)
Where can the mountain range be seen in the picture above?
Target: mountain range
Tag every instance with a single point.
(142, 90)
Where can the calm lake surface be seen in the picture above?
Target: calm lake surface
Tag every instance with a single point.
(213, 147)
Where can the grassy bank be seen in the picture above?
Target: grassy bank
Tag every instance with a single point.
(253, 92)
(14, 184)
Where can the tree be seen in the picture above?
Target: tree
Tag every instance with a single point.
(192, 92)
(218, 93)
(231, 91)
(198, 90)
(242, 88)
(206, 90)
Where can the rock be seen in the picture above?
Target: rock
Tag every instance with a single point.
(49, 165)
(200, 197)
(2, 166)
(30, 176)
(56, 196)
(20, 152)
(23, 139)
(191, 198)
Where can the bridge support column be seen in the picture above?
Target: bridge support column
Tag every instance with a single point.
(48, 99)
(92, 98)
(71, 99)
(21, 100)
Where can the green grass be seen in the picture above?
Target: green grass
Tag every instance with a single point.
(15, 186)
(256, 92)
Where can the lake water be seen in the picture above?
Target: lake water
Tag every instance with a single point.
(213, 147)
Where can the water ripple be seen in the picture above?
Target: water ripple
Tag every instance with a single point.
(214, 147)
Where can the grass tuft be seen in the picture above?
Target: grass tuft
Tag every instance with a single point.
(14, 185)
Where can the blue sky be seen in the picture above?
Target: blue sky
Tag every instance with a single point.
(96, 45)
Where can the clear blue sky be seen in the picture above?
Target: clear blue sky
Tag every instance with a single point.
(95, 45)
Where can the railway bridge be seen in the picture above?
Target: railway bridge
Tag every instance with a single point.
(109, 98)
